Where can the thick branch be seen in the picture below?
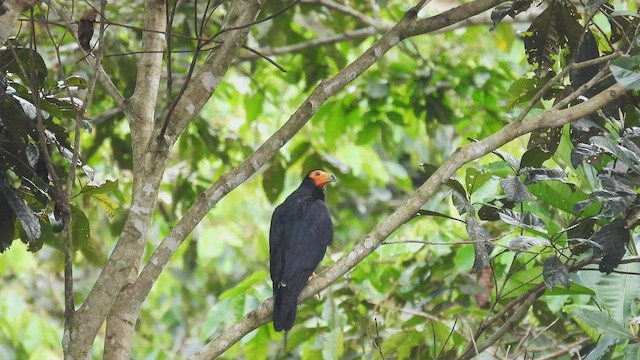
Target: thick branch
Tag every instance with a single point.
(141, 113)
(237, 176)
(144, 98)
(473, 151)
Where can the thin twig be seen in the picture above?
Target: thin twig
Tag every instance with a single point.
(543, 331)
(564, 349)
(508, 325)
(375, 341)
(447, 340)
(256, 22)
(350, 11)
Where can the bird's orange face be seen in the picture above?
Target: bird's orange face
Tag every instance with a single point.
(321, 177)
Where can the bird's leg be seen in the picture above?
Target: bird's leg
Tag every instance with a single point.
(313, 274)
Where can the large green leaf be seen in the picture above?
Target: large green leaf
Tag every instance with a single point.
(79, 228)
(603, 323)
(560, 196)
(615, 292)
(604, 350)
(245, 285)
(627, 72)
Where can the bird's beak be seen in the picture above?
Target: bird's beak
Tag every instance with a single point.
(325, 179)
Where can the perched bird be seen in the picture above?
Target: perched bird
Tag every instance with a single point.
(301, 230)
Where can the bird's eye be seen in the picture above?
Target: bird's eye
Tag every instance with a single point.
(317, 173)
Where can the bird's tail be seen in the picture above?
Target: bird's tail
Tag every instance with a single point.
(286, 299)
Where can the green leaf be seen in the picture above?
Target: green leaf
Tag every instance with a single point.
(401, 344)
(273, 180)
(79, 228)
(605, 348)
(255, 348)
(333, 346)
(368, 134)
(217, 315)
(246, 284)
(109, 206)
(253, 106)
(627, 72)
(106, 187)
(77, 81)
(632, 352)
(535, 157)
(29, 60)
(97, 191)
(602, 323)
(475, 178)
(615, 292)
(92, 252)
(560, 196)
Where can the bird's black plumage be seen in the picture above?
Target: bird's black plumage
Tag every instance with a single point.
(301, 230)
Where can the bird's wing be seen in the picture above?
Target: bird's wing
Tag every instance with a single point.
(307, 235)
(276, 240)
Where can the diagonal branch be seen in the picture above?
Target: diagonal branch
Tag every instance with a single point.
(262, 314)
(237, 176)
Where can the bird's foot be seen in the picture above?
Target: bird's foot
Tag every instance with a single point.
(313, 274)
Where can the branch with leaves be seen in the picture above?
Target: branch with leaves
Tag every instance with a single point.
(551, 118)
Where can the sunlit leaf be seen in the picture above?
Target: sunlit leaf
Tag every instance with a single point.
(522, 243)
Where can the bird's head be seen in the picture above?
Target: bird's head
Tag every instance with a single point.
(319, 177)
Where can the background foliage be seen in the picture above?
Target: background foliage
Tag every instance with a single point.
(534, 214)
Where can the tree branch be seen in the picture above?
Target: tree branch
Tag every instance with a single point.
(237, 176)
(473, 151)
(140, 113)
(508, 325)
(144, 98)
(9, 12)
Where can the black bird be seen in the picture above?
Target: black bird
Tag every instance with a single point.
(301, 230)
